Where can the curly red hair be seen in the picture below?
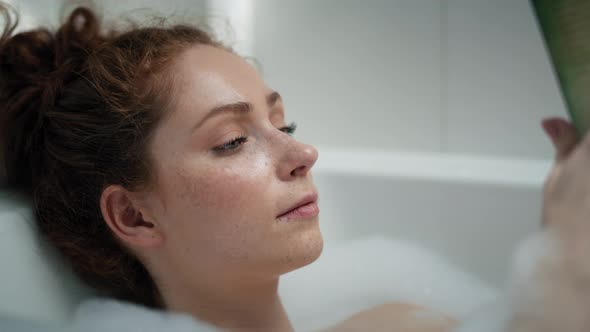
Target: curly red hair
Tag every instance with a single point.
(77, 108)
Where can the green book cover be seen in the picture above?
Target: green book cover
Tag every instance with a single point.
(565, 25)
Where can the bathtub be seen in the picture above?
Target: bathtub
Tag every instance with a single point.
(472, 210)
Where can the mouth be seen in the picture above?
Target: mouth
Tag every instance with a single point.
(305, 208)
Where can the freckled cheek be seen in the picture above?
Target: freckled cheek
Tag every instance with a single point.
(224, 191)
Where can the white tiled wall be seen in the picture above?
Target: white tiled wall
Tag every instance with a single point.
(459, 76)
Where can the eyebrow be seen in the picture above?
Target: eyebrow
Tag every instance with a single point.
(240, 107)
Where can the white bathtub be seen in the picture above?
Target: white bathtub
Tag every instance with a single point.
(473, 210)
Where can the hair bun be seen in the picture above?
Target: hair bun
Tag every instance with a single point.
(34, 67)
(36, 56)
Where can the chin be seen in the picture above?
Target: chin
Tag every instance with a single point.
(307, 251)
(314, 251)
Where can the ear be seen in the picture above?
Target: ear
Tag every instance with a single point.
(125, 218)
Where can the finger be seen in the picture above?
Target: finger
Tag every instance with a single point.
(563, 136)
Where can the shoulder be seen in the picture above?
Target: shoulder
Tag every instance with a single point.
(397, 317)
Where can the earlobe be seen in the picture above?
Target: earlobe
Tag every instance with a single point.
(126, 220)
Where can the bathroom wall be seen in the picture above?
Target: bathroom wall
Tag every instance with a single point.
(451, 76)
(48, 12)
(498, 80)
(456, 76)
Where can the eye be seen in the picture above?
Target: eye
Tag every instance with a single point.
(231, 145)
(290, 129)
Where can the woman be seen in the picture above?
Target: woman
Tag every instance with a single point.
(161, 166)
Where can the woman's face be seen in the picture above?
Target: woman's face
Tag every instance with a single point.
(226, 169)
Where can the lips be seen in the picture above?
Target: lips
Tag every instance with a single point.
(305, 208)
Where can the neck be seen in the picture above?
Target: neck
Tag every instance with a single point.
(233, 305)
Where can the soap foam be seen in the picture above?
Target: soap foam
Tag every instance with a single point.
(365, 273)
(532, 295)
(99, 315)
(109, 315)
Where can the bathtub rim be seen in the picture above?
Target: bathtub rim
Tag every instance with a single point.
(436, 166)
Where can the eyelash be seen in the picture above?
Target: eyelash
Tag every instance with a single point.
(238, 141)
(290, 129)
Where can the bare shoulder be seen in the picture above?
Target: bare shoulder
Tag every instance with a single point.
(402, 317)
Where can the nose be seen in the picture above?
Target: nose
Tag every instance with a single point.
(298, 159)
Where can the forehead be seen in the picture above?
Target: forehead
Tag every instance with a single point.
(208, 76)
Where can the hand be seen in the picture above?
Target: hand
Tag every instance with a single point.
(564, 138)
(566, 194)
(556, 297)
